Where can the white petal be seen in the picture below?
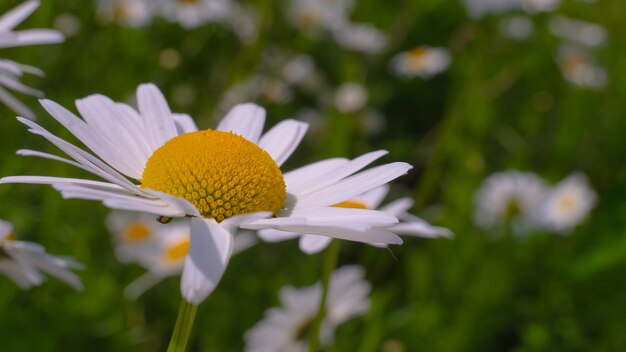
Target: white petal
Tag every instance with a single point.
(9, 20)
(209, 252)
(298, 179)
(177, 202)
(354, 185)
(335, 175)
(373, 198)
(32, 37)
(281, 141)
(271, 235)
(158, 120)
(184, 123)
(341, 215)
(420, 229)
(142, 284)
(398, 207)
(233, 222)
(15, 105)
(246, 120)
(311, 244)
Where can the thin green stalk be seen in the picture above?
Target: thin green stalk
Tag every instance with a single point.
(330, 262)
(182, 330)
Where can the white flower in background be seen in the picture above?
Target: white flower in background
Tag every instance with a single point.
(517, 27)
(540, 5)
(351, 97)
(568, 204)
(579, 69)
(423, 61)
(319, 14)
(360, 37)
(160, 248)
(158, 162)
(134, 13)
(286, 328)
(244, 21)
(479, 8)
(298, 68)
(509, 196)
(27, 262)
(579, 32)
(409, 225)
(67, 24)
(194, 13)
(11, 72)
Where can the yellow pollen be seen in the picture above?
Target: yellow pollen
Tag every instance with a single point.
(137, 231)
(222, 174)
(352, 204)
(567, 202)
(177, 251)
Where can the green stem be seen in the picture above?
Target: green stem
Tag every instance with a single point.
(182, 330)
(330, 262)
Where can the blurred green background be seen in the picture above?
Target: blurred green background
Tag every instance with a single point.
(502, 104)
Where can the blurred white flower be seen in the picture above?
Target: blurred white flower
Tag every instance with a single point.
(134, 13)
(160, 248)
(509, 196)
(319, 14)
(479, 8)
(26, 262)
(351, 97)
(11, 72)
(568, 204)
(67, 24)
(517, 27)
(579, 69)
(360, 37)
(298, 68)
(286, 328)
(580, 32)
(244, 21)
(194, 13)
(540, 5)
(423, 61)
(409, 225)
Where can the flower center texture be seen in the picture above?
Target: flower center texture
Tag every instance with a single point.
(222, 174)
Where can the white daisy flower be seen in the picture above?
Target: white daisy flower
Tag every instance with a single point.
(360, 37)
(409, 225)
(540, 5)
(479, 8)
(319, 14)
(134, 13)
(351, 97)
(11, 72)
(509, 196)
(579, 69)
(27, 262)
(580, 32)
(194, 13)
(423, 61)
(158, 162)
(568, 204)
(159, 248)
(286, 328)
(517, 27)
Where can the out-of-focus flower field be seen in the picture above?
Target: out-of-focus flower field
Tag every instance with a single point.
(462, 90)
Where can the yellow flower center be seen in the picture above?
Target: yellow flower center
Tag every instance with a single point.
(137, 231)
(178, 251)
(10, 237)
(353, 204)
(567, 202)
(222, 174)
